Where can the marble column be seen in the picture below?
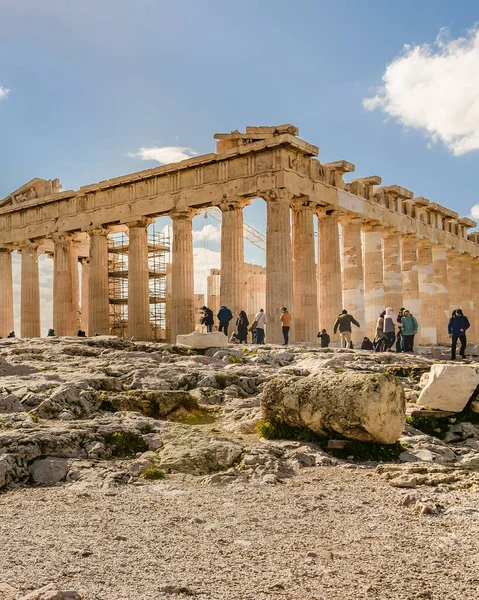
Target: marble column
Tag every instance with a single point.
(305, 302)
(182, 281)
(353, 275)
(65, 286)
(138, 280)
(409, 271)
(475, 298)
(85, 292)
(6, 292)
(98, 296)
(427, 325)
(441, 300)
(453, 280)
(330, 296)
(392, 270)
(373, 277)
(232, 282)
(30, 292)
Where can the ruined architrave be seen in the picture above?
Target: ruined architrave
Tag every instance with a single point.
(414, 248)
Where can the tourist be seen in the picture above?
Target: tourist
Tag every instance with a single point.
(285, 320)
(380, 340)
(323, 335)
(399, 338)
(367, 344)
(81, 333)
(51, 333)
(234, 339)
(258, 326)
(409, 329)
(458, 324)
(344, 322)
(224, 317)
(207, 319)
(11, 334)
(242, 327)
(389, 328)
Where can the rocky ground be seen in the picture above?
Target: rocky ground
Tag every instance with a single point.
(135, 471)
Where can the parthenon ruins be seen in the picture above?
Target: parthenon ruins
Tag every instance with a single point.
(395, 250)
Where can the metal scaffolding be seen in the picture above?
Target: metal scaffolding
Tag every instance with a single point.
(158, 256)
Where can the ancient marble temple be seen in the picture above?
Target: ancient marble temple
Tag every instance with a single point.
(395, 249)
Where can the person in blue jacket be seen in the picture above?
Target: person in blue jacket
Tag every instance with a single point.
(224, 317)
(458, 325)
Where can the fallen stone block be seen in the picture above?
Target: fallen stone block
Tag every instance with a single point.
(49, 592)
(450, 387)
(198, 340)
(362, 406)
(48, 471)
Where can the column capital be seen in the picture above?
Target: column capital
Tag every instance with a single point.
(347, 218)
(3, 249)
(140, 223)
(233, 203)
(61, 237)
(182, 214)
(277, 195)
(29, 244)
(370, 226)
(301, 203)
(99, 230)
(422, 243)
(389, 232)
(326, 211)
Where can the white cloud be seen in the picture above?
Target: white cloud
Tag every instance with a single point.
(165, 154)
(204, 260)
(3, 92)
(209, 233)
(435, 88)
(475, 211)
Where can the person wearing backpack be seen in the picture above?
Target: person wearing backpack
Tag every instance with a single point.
(224, 317)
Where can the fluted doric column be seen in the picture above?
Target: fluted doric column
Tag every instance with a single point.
(353, 275)
(467, 304)
(441, 300)
(65, 286)
(232, 282)
(330, 297)
(182, 281)
(409, 271)
(453, 280)
(138, 280)
(30, 292)
(427, 326)
(373, 276)
(305, 303)
(85, 292)
(98, 296)
(392, 269)
(6, 292)
(475, 297)
(279, 262)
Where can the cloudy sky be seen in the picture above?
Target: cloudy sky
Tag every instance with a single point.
(91, 90)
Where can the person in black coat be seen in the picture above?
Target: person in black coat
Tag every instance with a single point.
(242, 327)
(325, 338)
(457, 327)
(224, 317)
(207, 319)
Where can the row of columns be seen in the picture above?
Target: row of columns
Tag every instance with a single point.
(379, 268)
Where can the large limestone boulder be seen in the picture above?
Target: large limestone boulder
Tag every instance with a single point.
(449, 387)
(362, 406)
(199, 340)
(48, 471)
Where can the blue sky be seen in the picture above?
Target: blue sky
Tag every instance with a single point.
(91, 81)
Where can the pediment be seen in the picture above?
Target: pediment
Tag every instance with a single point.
(35, 188)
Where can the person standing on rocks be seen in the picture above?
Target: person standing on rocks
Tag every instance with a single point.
(458, 325)
(344, 322)
(258, 326)
(409, 329)
(224, 317)
(207, 319)
(323, 335)
(380, 340)
(399, 337)
(285, 320)
(389, 328)
(242, 327)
